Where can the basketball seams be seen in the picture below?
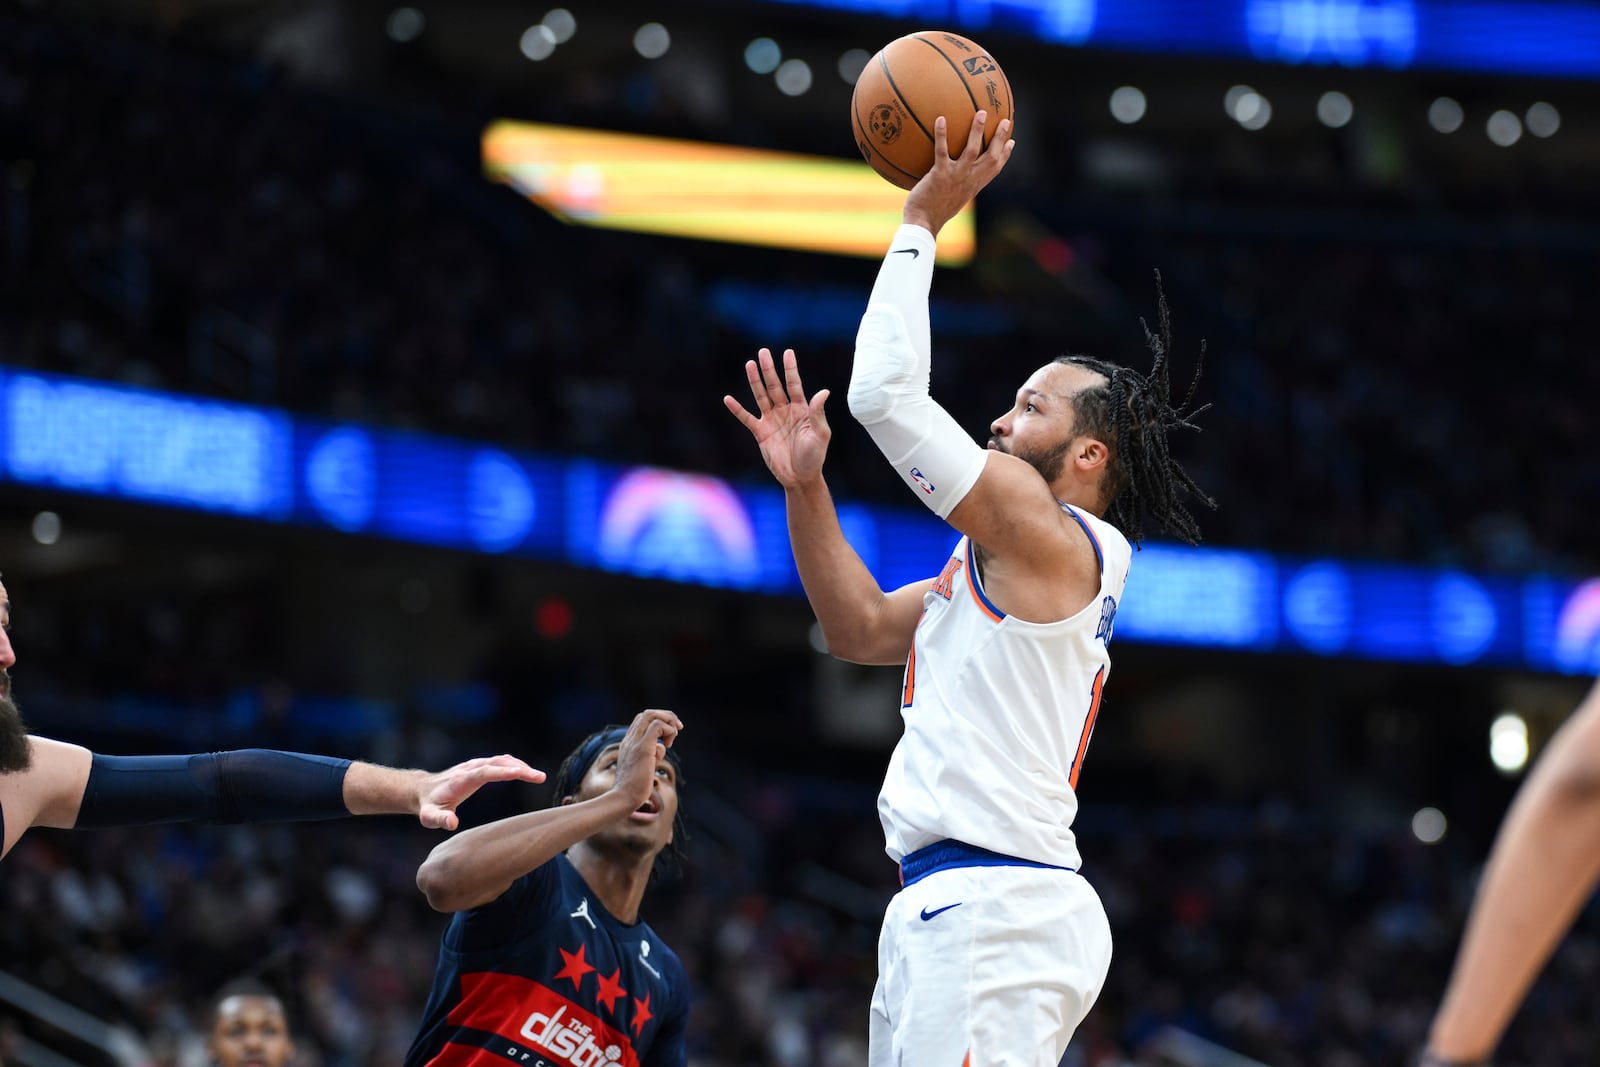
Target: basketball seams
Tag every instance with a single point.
(882, 108)
(883, 61)
(960, 74)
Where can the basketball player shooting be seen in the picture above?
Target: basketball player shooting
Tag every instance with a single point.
(995, 948)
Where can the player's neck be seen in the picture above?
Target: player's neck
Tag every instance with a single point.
(618, 883)
(1083, 498)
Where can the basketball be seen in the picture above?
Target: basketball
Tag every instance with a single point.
(912, 81)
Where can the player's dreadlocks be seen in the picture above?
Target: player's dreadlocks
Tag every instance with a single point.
(1133, 413)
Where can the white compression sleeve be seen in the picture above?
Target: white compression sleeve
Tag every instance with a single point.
(889, 382)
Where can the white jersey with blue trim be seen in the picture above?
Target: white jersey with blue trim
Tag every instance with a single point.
(998, 715)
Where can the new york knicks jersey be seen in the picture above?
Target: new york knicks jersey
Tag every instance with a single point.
(998, 714)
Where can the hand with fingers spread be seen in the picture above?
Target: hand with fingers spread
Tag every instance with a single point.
(951, 184)
(440, 794)
(791, 431)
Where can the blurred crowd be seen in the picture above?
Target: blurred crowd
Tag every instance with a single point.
(1399, 364)
(1267, 929)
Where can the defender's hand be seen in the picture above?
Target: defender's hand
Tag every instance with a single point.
(438, 795)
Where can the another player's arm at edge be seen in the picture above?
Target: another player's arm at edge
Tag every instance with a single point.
(1543, 867)
(478, 865)
(67, 786)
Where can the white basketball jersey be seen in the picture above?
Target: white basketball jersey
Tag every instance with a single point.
(998, 715)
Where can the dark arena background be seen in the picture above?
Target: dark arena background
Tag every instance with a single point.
(338, 415)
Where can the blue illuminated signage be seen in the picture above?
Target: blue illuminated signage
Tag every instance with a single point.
(1497, 36)
(145, 445)
(157, 448)
(1351, 33)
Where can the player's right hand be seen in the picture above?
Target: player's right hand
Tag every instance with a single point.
(643, 750)
(792, 432)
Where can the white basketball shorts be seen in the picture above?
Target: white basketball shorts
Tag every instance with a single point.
(987, 966)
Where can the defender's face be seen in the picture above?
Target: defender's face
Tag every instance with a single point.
(650, 827)
(14, 750)
(8, 656)
(1040, 426)
(250, 1032)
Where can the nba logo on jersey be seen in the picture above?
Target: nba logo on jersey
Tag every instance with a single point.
(1108, 616)
(923, 483)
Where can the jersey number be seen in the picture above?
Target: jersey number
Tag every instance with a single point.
(909, 690)
(1088, 725)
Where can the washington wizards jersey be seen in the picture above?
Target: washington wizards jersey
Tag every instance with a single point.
(998, 714)
(545, 976)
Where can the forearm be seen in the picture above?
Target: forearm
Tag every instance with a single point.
(890, 376)
(373, 790)
(843, 594)
(1542, 868)
(245, 786)
(476, 866)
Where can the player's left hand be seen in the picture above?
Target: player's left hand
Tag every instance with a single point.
(441, 793)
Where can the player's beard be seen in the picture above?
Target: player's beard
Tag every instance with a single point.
(1047, 461)
(14, 752)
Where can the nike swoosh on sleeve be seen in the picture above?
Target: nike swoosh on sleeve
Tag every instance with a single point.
(915, 252)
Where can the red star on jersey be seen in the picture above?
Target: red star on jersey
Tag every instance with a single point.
(641, 1016)
(611, 990)
(576, 967)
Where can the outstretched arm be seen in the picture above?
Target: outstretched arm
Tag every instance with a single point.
(859, 621)
(1543, 866)
(69, 787)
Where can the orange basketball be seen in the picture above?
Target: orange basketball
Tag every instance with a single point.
(913, 81)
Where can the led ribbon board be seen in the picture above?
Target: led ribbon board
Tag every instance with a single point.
(1555, 38)
(70, 435)
(714, 192)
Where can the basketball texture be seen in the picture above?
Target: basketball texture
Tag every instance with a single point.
(912, 81)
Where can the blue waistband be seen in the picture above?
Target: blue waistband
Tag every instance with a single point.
(943, 855)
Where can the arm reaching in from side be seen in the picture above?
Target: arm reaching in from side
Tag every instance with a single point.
(859, 621)
(1543, 867)
(69, 787)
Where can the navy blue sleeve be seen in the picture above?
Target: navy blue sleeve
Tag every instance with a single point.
(511, 916)
(246, 786)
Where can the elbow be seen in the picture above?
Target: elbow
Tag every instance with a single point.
(866, 404)
(438, 885)
(860, 644)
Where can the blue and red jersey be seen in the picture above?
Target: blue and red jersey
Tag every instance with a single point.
(545, 976)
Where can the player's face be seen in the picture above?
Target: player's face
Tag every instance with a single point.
(13, 732)
(1039, 428)
(250, 1032)
(649, 829)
